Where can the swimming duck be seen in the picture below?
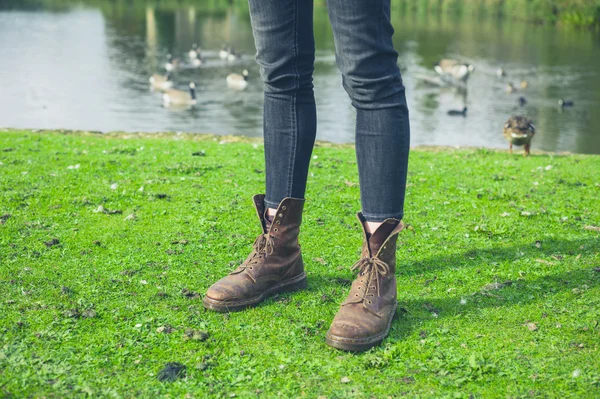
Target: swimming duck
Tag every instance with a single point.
(565, 103)
(457, 70)
(236, 81)
(456, 112)
(524, 84)
(172, 63)
(510, 88)
(519, 130)
(180, 97)
(500, 72)
(522, 101)
(160, 82)
(194, 53)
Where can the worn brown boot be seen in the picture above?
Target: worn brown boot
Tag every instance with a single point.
(364, 319)
(275, 265)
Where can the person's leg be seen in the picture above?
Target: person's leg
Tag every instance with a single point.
(285, 52)
(367, 60)
(283, 33)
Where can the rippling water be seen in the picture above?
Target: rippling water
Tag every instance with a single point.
(87, 67)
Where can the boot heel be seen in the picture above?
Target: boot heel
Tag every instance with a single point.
(294, 286)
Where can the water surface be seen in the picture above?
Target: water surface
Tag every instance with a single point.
(87, 67)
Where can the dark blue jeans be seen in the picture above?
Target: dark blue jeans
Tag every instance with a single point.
(283, 33)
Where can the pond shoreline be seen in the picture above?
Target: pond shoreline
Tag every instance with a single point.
(223, 139)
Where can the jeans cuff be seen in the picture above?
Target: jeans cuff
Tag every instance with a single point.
(378, 218)
(270, 204)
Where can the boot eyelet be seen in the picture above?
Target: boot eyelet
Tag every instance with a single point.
(359, 288)
(356, 295)
(369, 302)
(278, 222)
(280, 215)
(283, 208)
(275, 229)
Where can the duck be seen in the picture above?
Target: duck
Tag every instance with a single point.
(180, 97)
(457, 70)
(224, 52)
(524, 84)
(160, 82)
(522, 101)
(456, 112)
(519, 130)
(510, 88)
(172, 63)
(236, 81)
(194, 53)
(500, 72)
(565, 103)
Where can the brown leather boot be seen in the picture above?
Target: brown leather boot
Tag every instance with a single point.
(275, 265)
(364, 319)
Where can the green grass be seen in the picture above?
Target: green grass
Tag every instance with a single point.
(498, 280)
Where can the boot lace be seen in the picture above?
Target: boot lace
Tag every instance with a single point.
(263, 246)
(373, 268)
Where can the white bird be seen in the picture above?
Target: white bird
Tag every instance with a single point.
(224, 52)
(500, 72)
(172, 63)
(160, 82)
(233, 56)
(194, 53)
(180, 97)
(236, 81)
(455, 69)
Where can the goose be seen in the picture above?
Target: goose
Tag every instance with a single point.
(500, 72)
(522, 101)
(519, 130)
(194, 53)
(510, 88)
(224, 52)
(180, 97)
(160, 82)
(196, 62)
(524, 84)
(565, 103)
(172, 63)
(233, 56)
(455, 69)
(456, 112)
(236, 81)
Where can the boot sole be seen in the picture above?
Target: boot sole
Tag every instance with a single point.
(361, 344)
(294, 284)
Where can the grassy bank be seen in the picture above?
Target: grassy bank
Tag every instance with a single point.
(108, 243)
(579, 13)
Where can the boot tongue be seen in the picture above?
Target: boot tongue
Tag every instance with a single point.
(268, 221)
(377, 239)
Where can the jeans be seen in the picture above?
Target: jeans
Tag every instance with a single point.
(283, 34)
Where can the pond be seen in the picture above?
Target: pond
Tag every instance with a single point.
(86, 66)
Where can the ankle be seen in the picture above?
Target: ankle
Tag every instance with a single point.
(371, 227)
(271, 212)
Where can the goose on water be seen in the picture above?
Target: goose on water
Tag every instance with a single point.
(455, 69)
(160, 82)
(236, 81)
(180, 97)
(172, 63)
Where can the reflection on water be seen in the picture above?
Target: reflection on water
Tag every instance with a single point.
(88, 68)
